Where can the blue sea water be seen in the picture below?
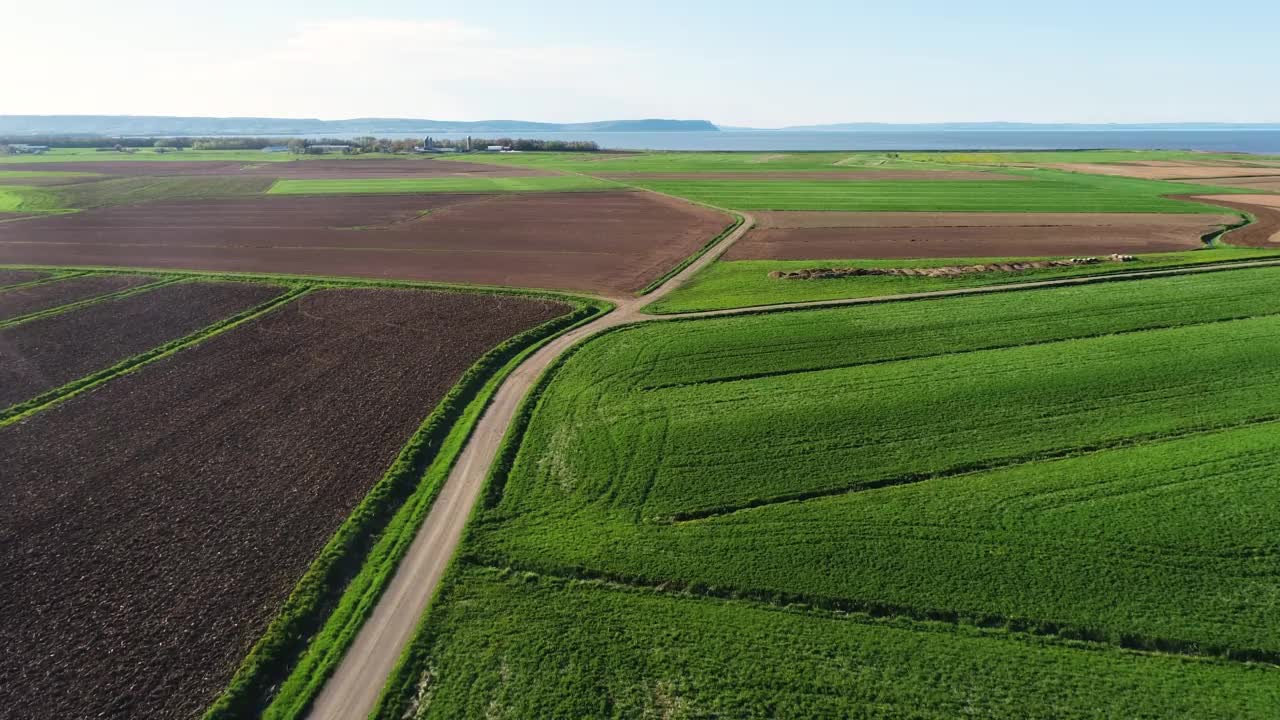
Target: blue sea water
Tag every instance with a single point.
(1225, 140)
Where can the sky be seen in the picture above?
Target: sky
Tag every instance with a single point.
(732, 62)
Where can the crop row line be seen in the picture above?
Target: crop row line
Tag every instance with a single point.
(961, 470)
(876, 612)
(15, 413)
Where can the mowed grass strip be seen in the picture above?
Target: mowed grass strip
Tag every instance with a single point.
(1043, 191)
(523, 645)
(565, 183)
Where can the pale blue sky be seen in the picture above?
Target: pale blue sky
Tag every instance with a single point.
(734, 63)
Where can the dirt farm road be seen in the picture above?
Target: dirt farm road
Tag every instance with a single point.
(356, 683)
(354, 688)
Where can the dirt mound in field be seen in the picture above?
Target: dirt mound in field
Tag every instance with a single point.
(946, 270)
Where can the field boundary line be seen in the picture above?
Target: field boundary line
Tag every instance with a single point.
(346, 580)
(738, 220)
(23, 410)
(999, 626)
(77, 305)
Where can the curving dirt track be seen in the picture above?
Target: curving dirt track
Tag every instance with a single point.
(354, 687)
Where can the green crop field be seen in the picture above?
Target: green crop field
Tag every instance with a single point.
(24, 199)
(991, 504)
(746, 283)
(437, 185)
(1041, 191)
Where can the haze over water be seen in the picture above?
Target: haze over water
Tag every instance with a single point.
(1250, 141)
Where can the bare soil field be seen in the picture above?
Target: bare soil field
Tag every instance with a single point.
(48, 352)
(1264, 231)
(1168, 171)
(814, 236)
(1260, 184)
(300, 169)
(24, 301)
(15, 277)
(150, 528)
(610, 242)
(852, 175)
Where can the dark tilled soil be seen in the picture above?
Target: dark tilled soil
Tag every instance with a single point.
(149, 529)
(317, 169)
(24, 301)
(15, 277)
(606, 242)
(48, 352)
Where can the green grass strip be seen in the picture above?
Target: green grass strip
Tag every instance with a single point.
(86, 302)
(307, 639)
(45, 400)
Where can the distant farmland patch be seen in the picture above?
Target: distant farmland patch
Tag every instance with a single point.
(555, 183)
(607, 242)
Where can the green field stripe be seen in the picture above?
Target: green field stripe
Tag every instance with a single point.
(710, 513)
(876, 612)
(747, 377)
(48, 399)
(137, 290)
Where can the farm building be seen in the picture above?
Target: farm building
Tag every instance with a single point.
(275, 149)
(23, 149)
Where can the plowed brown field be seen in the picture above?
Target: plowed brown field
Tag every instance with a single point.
(47, 352)
(1169, 171)
(24, 301)
(824, 236)
(150, 528)
(605, 242)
